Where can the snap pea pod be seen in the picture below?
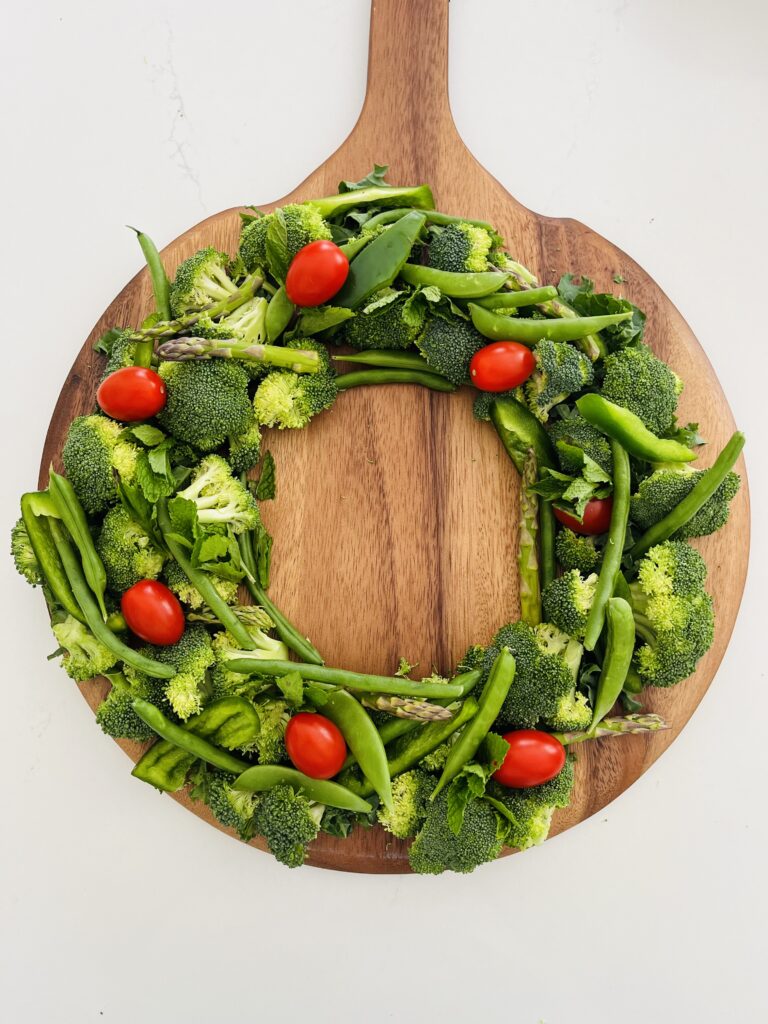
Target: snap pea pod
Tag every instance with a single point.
(698, 496)
(488, 707)
(180, 737)
(380, 262)
(433, 217)
(512, 328)
(388, 358)
(267, 776)
(47, 556)
(363, 378)
(618, 657)
(514, 300)
(279, 313)
(416, 196)
(92, 615)
(455, 285)
(629, 430)
(160, 286)
(73, 516)
(614, 547)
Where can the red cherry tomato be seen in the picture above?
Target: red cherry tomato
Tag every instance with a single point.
(316, 273)
(133, 393)
(153, 613)
(597, 517)
(315, 745)
(533, 757)
(501, 366)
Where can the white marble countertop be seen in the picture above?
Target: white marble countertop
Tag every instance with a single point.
(118, 906)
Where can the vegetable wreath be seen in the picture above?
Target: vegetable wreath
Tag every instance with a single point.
(144, 548)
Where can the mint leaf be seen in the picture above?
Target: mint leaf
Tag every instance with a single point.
(145, 433)
(276, 243)
(292, 688)
(266, 488)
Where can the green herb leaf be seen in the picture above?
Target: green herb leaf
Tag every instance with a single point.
(105, 343)
(292, 688)
(266, 488)
(277, 246)
(374, 179)
(468, 785)
(262, 546)
(312, 321)
(146, 434)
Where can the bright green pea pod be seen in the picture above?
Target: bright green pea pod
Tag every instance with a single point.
(419, 196)
(618, 657)
(181, 737)
(73, 516)
(46, 554)
(362, 739)
(629, 430)
(514, 300)
(279, 313)
(354, 245)
(529, 332)
(455, 285)
(520, 432)
(160, 286)
(266, 776)
(380, 262)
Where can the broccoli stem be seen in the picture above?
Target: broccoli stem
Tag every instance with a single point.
(360, 378)
(185, 349)
(169, 328)
(626, 725)
(527, 554)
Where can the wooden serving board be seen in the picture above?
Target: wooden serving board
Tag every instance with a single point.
(395, 523)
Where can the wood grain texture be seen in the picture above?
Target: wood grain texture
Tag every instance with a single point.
(394, 526)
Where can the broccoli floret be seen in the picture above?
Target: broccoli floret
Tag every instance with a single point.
(229, 806)
(122, 353)
(481, 407)
(313, 345)
(436, 761)
(189, 595)
(273, 718)
(666, 487)
(245, 448)
(303, 224)
(201, 280)
(246, 324)
(566, 601)
(638, 381)
(115, 714)
(388, 321)
(448, 347)
(84, 656)
(290, 400)
(532, 808)
(561, 370)
(460, 248)
(410, 798)
(670, 568)
(207, 401)
(92, 453)
(126, 551)
(575, 432)
(436, 848)
(23, 556)
(220, 498)
(288, 822)
(576, 551)
(190, 657)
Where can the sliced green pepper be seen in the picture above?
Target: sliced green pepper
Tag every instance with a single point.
(419, 196)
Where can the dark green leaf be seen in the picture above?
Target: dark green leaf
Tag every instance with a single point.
(145, 433)
(107, 340)
(570, 287)
(292, 688)
(374, 179)
(266, 488)
(468, 785)
(278, 256)
(262, 546)
(312, 321)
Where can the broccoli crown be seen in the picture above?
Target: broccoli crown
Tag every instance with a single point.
(410, 800)
(201, 280)
(388, 321)
(290, 400)
(23, 556)
(220, 498)
(229, 806)
(126, 551)
(460, 248)
(672, 568)
(637, 380)
(303, 224)
(207, 401)
(575, 432)
(245, 448)
(286, 821)
(561, 370)
(92, 453)
(576, 551)
(117, 718)
(313, 345)
(532, 808)
(481, 407)
(573, 713)
(566, 601)
(448, 347)
(84, 655)
(189, 595)
(666, 487)
(273, 717)
(122, 353)
(437, 848)
(190, 657)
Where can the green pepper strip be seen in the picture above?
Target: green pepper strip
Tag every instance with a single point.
(387, 358)
(267, 776)
(512, 328)
(47, 556)
(380, 262)
(73, 516)
(362, 739)
(279, 313)
(362, 378)
(618, 657)
(161, 288)
(185, 740)
(514, 300)
(629, 430)
(488, 708)
(419, 196)
(698, 496)
(455, 285)
(360, 681)
(201, 581)
(614, 548)
(90, 610)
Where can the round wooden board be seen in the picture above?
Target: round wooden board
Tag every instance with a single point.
(395, 522)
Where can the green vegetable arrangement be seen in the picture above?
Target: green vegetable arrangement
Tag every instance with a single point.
(176, 497)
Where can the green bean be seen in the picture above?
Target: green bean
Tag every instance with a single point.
(388, 358)
(185, 740)
(380, 262)
(488, 708)
(520, 432)
(92, 614)
(618, 657)
(697, 497)
(433, 217)
(279, 313)
(362, 378)
(267, 776)
(528, 331)
(455, 285)
(514, 300)
(47, 556)
(614, 547)
(362, 739)
(161, 288)
(629, 430)
(73, 516)
(417, 196)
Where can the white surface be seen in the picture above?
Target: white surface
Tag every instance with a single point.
(116, 905)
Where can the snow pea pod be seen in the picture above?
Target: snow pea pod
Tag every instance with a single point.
(73, 516)
(455, 285)
(180, 737)
(362, 738)
(266, 776)
(433, 217)
(618, 657)
(380, 262)
(508, 328)
(47, 556)
(279, 313)
(362, 378)
(629, 430)
(514, 300)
